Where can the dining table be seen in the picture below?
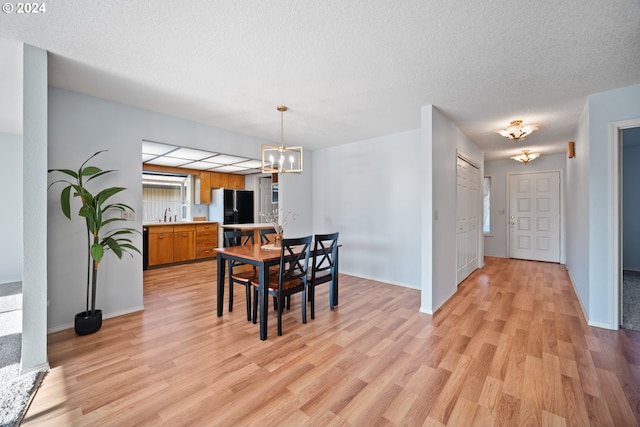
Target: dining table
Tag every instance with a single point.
(262, 257)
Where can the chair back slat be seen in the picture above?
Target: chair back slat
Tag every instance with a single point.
(265, 233)
(294, 260)
(238, 238)
(324, 254)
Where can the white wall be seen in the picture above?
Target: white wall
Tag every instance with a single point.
(496, 243)
(11, 214)
(294, 195)
(370, 191)
(590, 193)
(631, 206)
(11, 54)
(80, 125)
(34, 211)
(577, 211)
(446, 142)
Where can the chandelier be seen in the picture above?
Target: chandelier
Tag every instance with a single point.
(525, 157)
(281, 159)
(517, 131)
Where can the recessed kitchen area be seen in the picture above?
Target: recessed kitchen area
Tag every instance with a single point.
(189, 194)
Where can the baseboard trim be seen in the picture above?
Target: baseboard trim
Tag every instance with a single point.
(601, 325)
(104, 316)
(585, 313)
(404, 285)
(425, 311)
(38, 368)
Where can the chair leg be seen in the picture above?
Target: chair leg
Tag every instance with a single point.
(256, 298)
(304, 305)
(311, 290)
(331, 295)
(230, 293)
(280, 307)
(248, 297)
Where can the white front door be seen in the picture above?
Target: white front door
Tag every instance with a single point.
(467, 219)
(534, 216)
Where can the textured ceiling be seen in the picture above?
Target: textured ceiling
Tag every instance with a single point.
(348, 70)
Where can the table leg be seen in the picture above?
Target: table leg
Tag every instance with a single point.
(264, 303)
(335, 279)
(220, 284)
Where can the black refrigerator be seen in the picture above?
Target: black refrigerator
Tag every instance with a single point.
(238, 207)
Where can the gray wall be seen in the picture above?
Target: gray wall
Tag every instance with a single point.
(11, 214)
(589, 194)
(446, 142)
(496, 243)
(34, 269)
(379, 194)
(80, 125)
(369, 191)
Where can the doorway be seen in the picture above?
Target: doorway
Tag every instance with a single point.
(534, 216)
(467, 218)
(630, 228)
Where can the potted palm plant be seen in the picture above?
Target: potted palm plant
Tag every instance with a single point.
(98, 212)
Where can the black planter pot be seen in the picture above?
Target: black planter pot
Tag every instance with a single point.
(87, 323)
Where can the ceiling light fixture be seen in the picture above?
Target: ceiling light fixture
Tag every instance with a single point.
(281, 159)
(525, 157)
(517, 131)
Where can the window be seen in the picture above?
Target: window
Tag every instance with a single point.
(166, 197)
(486, 217)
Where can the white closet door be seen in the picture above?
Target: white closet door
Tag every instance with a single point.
(467, 219)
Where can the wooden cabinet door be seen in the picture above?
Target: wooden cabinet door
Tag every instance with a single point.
(205, 187)
(219, 180)
(236, 182)
(184, 246)
(160, 248)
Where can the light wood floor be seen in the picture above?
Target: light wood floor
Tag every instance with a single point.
(511, 348)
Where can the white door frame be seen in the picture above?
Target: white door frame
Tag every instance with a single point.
(615, 213)
(561, 213)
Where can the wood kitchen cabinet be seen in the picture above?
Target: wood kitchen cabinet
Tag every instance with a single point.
(184, 242)
(236, 182)
(219, 180)
(227, 180)
(205, 187)
(206, 240)
(181, 242)
(160, 245)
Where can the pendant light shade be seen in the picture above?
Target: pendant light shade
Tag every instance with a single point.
(517, 131)
(281, 159)
(525, 157)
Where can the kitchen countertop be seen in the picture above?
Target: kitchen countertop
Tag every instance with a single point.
(151, 224)
(247, 226)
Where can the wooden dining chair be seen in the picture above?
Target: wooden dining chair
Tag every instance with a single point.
(323, 267)
(290, 279)
(267, 235)
(240, 272)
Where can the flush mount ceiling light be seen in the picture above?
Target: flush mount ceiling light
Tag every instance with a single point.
(281, 159)
(525, 157)
(517, 131)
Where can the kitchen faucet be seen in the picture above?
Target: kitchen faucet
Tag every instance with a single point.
(165, 214)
